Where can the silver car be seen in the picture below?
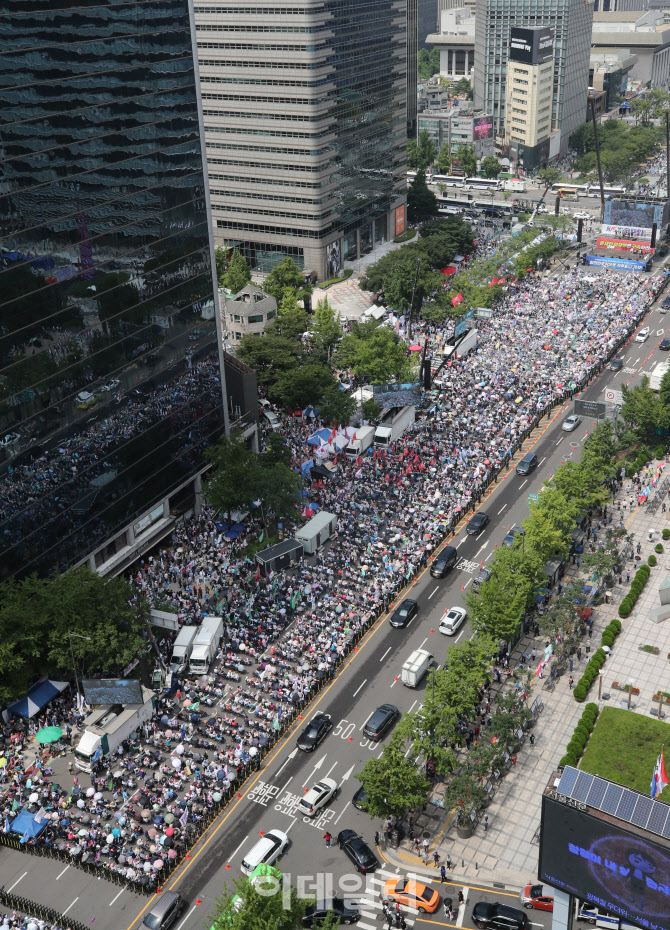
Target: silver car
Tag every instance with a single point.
(571, 423)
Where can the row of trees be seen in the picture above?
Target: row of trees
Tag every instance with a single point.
(102, 617)
(622, 146)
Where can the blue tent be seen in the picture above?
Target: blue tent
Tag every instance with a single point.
(38, 697)
(27, 826)
(320, 436)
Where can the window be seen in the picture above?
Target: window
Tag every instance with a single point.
(256, 318)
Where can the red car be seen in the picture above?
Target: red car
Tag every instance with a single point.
(537, 896)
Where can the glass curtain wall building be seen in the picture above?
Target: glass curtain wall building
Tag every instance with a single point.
(305, 125)
(571, 22)
(110, 383)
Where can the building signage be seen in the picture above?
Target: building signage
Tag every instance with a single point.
(482, 128)
(623, 245)
(531, 46)
(400, 219)
(623, 264)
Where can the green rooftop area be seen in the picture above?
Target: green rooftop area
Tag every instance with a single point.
(624, 747)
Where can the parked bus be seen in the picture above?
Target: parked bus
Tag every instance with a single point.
(411, 175)
(506, 209)
(452, 205)
(488, 184)
(563, 189)
(450, 180)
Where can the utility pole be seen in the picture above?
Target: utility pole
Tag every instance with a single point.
(592, 101)
(411, 307)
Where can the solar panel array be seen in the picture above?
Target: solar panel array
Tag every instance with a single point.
(627, 805)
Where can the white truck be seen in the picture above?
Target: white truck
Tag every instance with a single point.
(657, 375)
(108, 726)
(394, 426)
(516, 185)
(362, 440)
(415, 667)
(182, 648)
(205, 645)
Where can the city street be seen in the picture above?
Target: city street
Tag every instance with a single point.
(368, 679)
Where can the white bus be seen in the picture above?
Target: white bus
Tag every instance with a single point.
(487, 184)
(611, 193)
(449, 180)
(411, 175)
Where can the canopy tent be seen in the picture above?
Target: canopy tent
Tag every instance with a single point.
(27, 825)
(320, 437)
(38, 697)
(449, 270)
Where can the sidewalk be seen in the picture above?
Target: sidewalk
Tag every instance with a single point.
(507, 854)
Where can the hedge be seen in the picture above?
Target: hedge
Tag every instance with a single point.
(637, 584)
(666, 533)
(595, 663)
(581, 735)
(651, 560)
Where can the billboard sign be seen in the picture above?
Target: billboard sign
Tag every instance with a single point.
(623, 264)
(400, 219)
(397, 395)
(625, 232)
(624, 871)
(333, 259)
(590, 408)
(482, 128)
(623, 245)
(531, 46)
(633, 213)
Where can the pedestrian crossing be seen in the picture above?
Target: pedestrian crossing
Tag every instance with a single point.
(370, 902)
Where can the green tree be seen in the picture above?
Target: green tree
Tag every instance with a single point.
(374, 353)
(286, 276)
(371, 410)
(425, 150)
(467, 160)
(490, 166)
(421, 201)
(428, 63)
(444, 159)
(298, 387)
(642, 411)
(412, 155)
(549, 524)
(292, 321)
(549, 176)
(221, 260)
(270, 356)
(497, 607)
(664, 391)
(238, 273)
(230, 484)
(463, 87)
(260, 905)
(392, 783)
(276, 483)
(464, 793)
(327, 327)
(336, 405)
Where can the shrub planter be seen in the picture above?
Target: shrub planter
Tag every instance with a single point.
(637, 584)
(644, 647)
(464, 830)
(666, 533)
(658, 547)
(666, 697)
(626, 688)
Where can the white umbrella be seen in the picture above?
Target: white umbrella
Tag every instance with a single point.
(180, 750)
(80, 804)
(176, 762)
(34, 798)
(90, 792)
(97, 795)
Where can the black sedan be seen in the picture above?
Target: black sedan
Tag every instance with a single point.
(404, 613)
(381, 721)
(665, 344)
(616, 364)
(316, 914)
(360, 798)
(477, 523)
(357, 850)
(314, 732)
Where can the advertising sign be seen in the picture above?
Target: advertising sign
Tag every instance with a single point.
(333, 258)
(400, 219)
(633, 213)
(482, 128)
(531, 46)
(625, 232)
(624, 872)
(590, 408)
(623, 264)
(623, 245)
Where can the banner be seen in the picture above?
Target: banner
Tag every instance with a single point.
(400, 219)
(623, 264)
(625, 232)
(623, 245)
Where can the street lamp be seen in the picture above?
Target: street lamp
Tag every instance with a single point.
(74, 665)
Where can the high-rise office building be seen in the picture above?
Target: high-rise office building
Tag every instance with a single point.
(427, 20)
(305, 125)
(570, 21)
(530, 85)
(412, 39)
(111, 384)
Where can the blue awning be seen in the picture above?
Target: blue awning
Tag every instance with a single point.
(27, 826)
(38, 697)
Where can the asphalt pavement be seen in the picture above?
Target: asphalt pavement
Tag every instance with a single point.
(369, 678)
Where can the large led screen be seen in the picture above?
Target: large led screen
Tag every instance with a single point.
(602, 863)
(633, 214)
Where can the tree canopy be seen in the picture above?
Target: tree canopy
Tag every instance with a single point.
(490, 166)
(392, 783)
(374, 353)
(421, 201)
(286, 276)
(237, 274)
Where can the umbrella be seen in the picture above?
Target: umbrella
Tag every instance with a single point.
(81, 804)
(415, 348)
(34, 798)
(158, 864)
(169, 831)
(90, 792)
(172, 853)
(3, 762)
(116, 832)
(49, 735)
(216, 797)
(169, 818)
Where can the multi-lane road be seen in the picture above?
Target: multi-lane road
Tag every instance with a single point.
(369, 678)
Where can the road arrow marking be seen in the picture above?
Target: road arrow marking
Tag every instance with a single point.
(315, 770)
(481, 548)
(347, 775)
(291, 755)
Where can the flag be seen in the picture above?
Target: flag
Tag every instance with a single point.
(661, 771)
(653, 791)
(659, 779)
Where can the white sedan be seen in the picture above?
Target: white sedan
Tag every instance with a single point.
(571, 423)
(318, 796)
(452, 620)
(642, 335)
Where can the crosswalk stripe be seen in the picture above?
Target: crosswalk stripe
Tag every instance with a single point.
(370, 914)
(361, 923)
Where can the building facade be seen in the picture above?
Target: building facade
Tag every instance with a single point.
(111, 382)
(530, 85)
(644, 35)
(459, 126)
(248, 312)
(426, 20)
(570, 21)
(305, 111)
(412, 39)
(456, 42)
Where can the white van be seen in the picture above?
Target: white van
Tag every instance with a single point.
(598, 917)
(266, 851)
(415, 667)
(272, 419)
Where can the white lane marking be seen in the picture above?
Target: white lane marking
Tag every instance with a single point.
(489, 556)
(239, 847)
(117, 897)
(359, 687)
(71, 905)
(16, 882)
(63, 872)
(636, 361)
(330, 769)
(343, 810)
(412, 708)
(543, 460)
(523, 482)
(290, 825)
(423, 643)
(501, 509)
(458, 637)
(287, 784)
(481, 548)
(186, 918)
(434, 592)
(394, 682)
(385, 654)
(560, 441)
(461, 910)
(467, 583)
